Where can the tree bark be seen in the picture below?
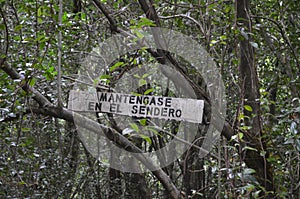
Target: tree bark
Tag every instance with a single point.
(250, 94)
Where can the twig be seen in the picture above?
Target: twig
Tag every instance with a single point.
(184, 16)
(182, 140)
(284, 36)
(102, 87)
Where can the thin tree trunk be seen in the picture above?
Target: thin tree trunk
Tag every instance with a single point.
(115, 188)
(250, 93)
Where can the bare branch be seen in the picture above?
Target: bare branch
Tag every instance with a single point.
(185, 16)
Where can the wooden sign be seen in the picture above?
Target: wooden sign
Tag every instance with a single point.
(181, 109)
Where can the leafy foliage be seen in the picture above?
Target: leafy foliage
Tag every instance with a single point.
(42, 156)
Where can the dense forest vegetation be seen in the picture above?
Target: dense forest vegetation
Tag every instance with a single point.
(254, 48)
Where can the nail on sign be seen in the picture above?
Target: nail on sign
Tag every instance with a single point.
(181, 109)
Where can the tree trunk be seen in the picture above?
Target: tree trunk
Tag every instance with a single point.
(254, 159)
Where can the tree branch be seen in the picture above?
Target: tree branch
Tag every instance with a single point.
(227, 131)
(185, 16)
(150, 12)
(37, 96)
(104, 10)
(48, 109)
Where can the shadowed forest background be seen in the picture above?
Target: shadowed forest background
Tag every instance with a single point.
(255, 45)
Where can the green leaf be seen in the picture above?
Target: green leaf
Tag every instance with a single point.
(138, 34)
(148, 91)
(248, 108)
(18, 27)
(134, 126)
(115, 66)
(223, 37)
(105, 77)
(146, 138)
(64, 18)
(41, 38)
(241, 116)
(214, 41)
(25, 129)
(40, 11)
(136, 76)
(237, 137)
(2, 27)
(50, 73)
(145, 22)
(32, 81)
(142, 82)
(241, 135)
(40, 20)
(145, 75)
(136, 94)
(134, 61)
(143, 122)
(245, 128)
(249, 187)
(22, 183)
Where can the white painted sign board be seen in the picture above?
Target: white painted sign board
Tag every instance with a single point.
(181, 109)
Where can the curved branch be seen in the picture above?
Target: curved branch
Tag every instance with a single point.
(185, 16)
(48, 109)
